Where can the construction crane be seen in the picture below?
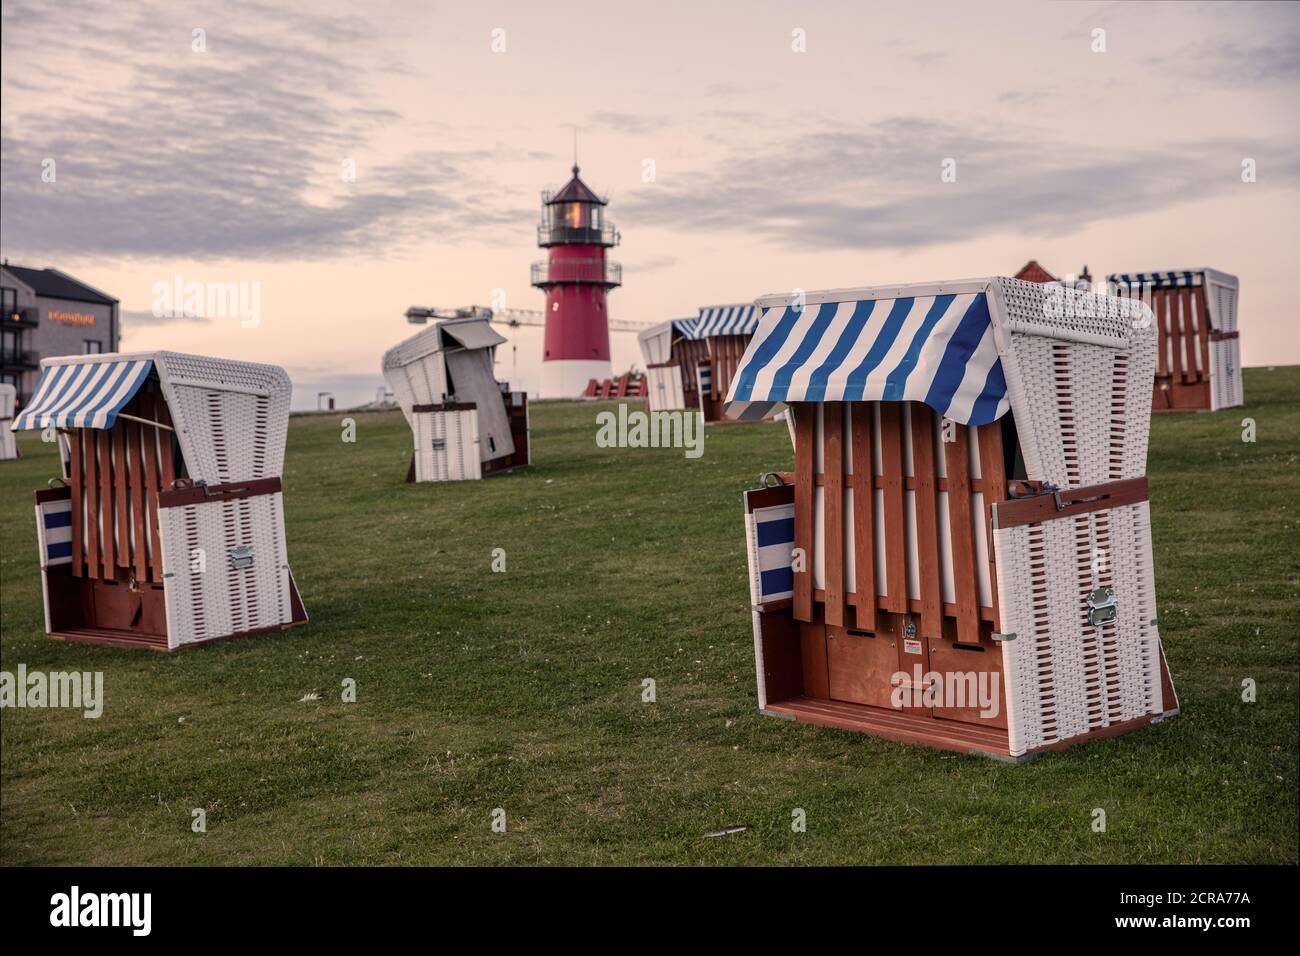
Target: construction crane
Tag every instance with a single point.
(419, 315)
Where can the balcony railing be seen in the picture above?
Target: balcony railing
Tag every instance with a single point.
(14, 358)
(597, 271)
(549, 235)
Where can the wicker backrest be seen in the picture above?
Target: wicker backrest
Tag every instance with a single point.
(231, 417)
(1079, 369)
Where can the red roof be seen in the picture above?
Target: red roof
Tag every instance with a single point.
(1033, 272)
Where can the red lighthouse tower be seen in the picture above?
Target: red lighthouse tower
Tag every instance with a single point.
(576, 278)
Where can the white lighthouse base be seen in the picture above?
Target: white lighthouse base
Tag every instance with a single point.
(568, 378)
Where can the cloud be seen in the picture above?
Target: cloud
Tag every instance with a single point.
(879, 186)
(236, 151)
(138, 318)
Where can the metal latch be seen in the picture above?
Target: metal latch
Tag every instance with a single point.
(241, 557)
(1018, 488)
(438, 443)
(1101, 606)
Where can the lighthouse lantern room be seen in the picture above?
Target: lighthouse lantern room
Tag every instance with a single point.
(576, 278)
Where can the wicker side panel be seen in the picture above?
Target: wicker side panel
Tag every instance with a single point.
(229, 436)
(208, 596)
(1079, 369)
(1066, 677)
(1084, 413)
(1225, 374)
(446, 445)
(231, 418)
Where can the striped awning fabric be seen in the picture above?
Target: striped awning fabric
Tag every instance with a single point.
(774, 537)
(685, 327)
(1156, 280)
(724, 320)
(83, 394)
(56, 530)
(937, 349)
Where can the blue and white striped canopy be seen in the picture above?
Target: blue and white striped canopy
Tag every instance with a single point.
(685, 328)
(724, 320)
(83, 394)
(936, 349)
(1157, 280)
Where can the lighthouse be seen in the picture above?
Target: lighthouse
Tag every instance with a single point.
(576, 278)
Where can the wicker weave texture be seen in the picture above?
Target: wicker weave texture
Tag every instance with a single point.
(1064, 676)
(1225, 374)
(1080, 385)
(207, 595)
(231, 417)
(446, 445)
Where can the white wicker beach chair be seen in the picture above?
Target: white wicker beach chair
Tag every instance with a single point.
(464, 423)
(968, 509)
(690, 362)
(1198, 353)
(167, 528)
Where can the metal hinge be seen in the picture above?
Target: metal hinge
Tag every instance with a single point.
(1003, 637)
(241, 557)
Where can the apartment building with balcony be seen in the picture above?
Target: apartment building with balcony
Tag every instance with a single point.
(45, 312)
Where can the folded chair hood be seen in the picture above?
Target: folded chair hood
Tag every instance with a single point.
(874, 345)
(723, 320)
(83, 394)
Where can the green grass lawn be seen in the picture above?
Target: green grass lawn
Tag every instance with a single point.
(522, 690)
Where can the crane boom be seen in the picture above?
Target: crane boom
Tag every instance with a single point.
(418, 315)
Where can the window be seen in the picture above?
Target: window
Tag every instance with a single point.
(93, 347)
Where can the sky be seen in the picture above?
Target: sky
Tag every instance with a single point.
(345, 162)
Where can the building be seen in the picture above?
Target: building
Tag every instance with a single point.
(1031, 271)
(576, 279)
(44, 313)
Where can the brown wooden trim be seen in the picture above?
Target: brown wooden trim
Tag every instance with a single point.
(768, 497)
(805, 431)
(961, 535)
(166, 441)
(994, 475)
(153, 642)
(445, 407)
(1077, 501)
(1203, 333)
(230, 491)
(895, 530)
(75, 465)
(1175, 333)
(833, 509)
(913, 607)
(135, 443)
(909, 483)
(121, 481)
(105, 456)
(925, 501)
(53, 494)
(864, 516)
(900, 726)
(149, 449)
